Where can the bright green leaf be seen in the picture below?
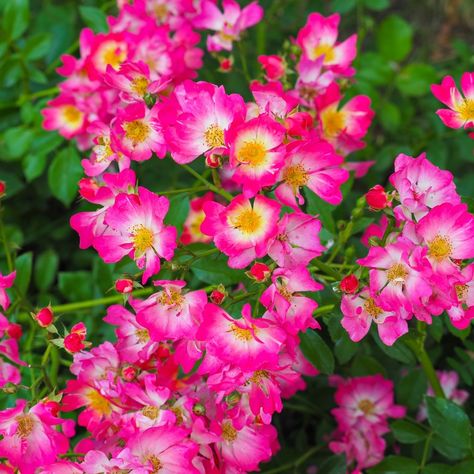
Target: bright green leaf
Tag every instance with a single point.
(63, 175)
(415, 79)
(94, 18)
(36, 46)
(394, 38)
(17, 142)
(15, 18)
(33, 166)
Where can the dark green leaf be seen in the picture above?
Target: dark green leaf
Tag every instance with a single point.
(390, 116)
(436, 468)
(408, 432)
(366, 365)
(33, 166)
(75, 286)
(394, 38)
(395, 465)
(464, 467)
(415, 79)
(376, 5)
(214, 270)
(316, 206)
(179, 210)
(333, 465)
(36, 46)
(317, 351)
(46, 266)
(23, 267)
(15, 18)
(17, 142)
(94, 18)
(64, 174)
(343, 6)
(411, 388)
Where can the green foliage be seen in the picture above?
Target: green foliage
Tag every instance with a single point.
(317, 351)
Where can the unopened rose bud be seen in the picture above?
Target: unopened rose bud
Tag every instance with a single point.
(45, 317)
(377, 198)
(259, 272)
(162, 352)
(73, 343)
(199, 409)
(213, 161)
(52, 406)
(226, 64)
(273, 65)
(14, 331)
(124, 285)
(218, 295)
(3, 188)
(349, 284)
(129, 373)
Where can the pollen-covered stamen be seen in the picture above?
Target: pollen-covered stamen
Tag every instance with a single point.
(372, 309)
(142, 239)
(136, 131)
(229, 433)
(241, 334)
(461, 291)
(247, 221)
(252, 153)
(397, 273)
(214, 136)
(285, 292)
(295, 176)
(366, 406)
(99, 403)
(466, 110)
(161, 12)
(103, 150)
(150, 412)
(72, 115)
(142, 335)
(440, 248)
(139, 85)
(155, 463)
(25, 425)
(325, 49)
(258, 376)
(333, 122)
(114, 55)
(178, 413)
(171, 297)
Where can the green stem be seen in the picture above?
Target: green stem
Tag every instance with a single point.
(325, 268)
(209, 185)
(5, 246)
(183, 190)
(243, 60)
(70, 307)
(426, 450)
(323, 310)
(295, 464)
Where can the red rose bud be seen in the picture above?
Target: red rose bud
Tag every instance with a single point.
(349, 284)
(3, 188)
(226, 64)
(213, 161)
(74, 342)
(53, 407)
(217, 297)
(273, 65)
(124, 286)
(377, 198)
(14, 331)
(259, 272)
(45, 317)
(129, 373)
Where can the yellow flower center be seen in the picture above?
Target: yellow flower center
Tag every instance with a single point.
(461, 291)
(136, 131)
(397, 273)
(142, 335)
(139, 85)
(258, 376)
(333, 121)
(103, 150)
(229, 433)
(99, 403)
(324, 49)
(295, 176)
(142, 239)
(240, 333)
(248, 221)
(372, 309)
(114, 55)
(172, 297)
(440, 248)
(214, 136)
(366, 406)
(285, 292)
(25, 425)
(161, 12)
(252, 153)
(179, 414)
(72, 115)
(155, 463)
(466, 110)
(195, 226)
(151, 412)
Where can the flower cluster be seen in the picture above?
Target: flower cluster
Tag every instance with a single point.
(364, 405)
(418, 261)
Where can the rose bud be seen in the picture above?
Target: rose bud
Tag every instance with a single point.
(259, 272)
(124, 285)
(273, 65)
(226, 64)
(74, 343)
(349, 284)
(213, 161)
(52, 406)
(3, 188)
(217, 297)
(377, 198)
(45, 317)
(14, 331)
(129, 373)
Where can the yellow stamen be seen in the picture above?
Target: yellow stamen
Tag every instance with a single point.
(240, 333)
(151, 412)
(258, 376)
(366, 406)
(372, 309)
(155, 463)
(252, 153)
(99, 403)
(333, 121)
(172, 297)
(161, 12)
(397, 273)
(466, 110)
(142, 239)
(324, 49)
(461, 291)
(139, 85)
(72, 115)
(247, 221)
(229, 433)
(25, 425)
(114, 55)
(142, 335)
(214, 136)
(295, 176)
(136, 131)
(440, 248)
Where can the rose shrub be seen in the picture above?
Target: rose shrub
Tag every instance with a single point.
(268, 267)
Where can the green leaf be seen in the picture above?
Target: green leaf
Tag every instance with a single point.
(317, 351)
(10, 72)
(390, 116)
(46, 266)
(395, 465)
(365, 365)
(394, 38)
(374, 68)
(398, 351)
(15, 18)
(415, 79)
(94, 18)
(103, 275)
(436, 468)
(75, 286)
(17, 142)
(33, 166)
(461, 468)
(343, 6)
(214, 270)
(333, 465)
(178, 211)
(63, 175)
(316, 206)
(23, 266)
(377, 5)
(451, 426)
(411, 389)
(407, 432)
(36, 46)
